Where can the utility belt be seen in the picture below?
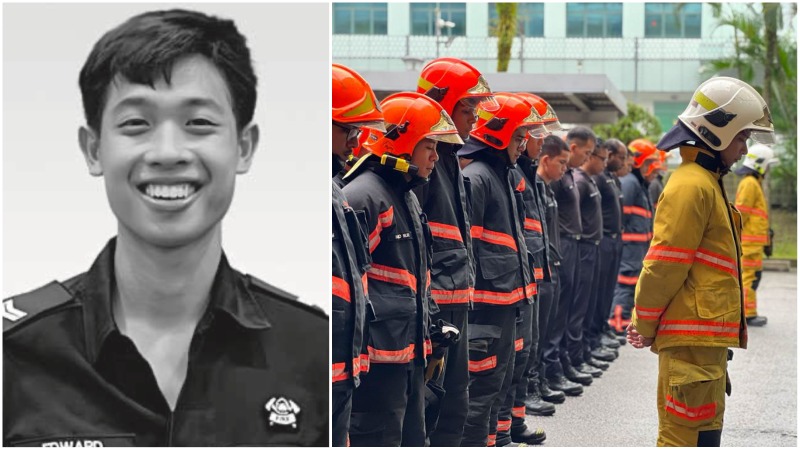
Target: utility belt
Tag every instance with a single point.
(594, 242)
(612, 235)
(574, 237)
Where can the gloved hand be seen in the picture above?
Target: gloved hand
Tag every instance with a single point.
(768, 248)
(434, 369)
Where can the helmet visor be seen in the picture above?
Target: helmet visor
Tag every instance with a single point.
(538, 131)
(763, 137)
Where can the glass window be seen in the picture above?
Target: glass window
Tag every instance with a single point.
(672, 20)
(594, 19)
(530, 19)
(359, 18)
(423, 18)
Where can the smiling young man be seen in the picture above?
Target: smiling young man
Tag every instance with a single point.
(161, 342)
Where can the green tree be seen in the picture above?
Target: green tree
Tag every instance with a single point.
(506, 30)
(638, 123)
(765, 56)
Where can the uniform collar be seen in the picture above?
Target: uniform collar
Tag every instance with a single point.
(706, 159)
(229, 294)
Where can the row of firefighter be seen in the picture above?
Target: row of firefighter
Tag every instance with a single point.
(484, 258)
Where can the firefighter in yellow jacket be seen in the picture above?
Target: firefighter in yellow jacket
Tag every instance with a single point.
(689, 303)
(756, 236)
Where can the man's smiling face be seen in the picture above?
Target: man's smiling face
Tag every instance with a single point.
(170, 153)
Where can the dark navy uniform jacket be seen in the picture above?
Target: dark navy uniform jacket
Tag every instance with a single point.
(590, 205)
(444, 199)
(504, 272)
(257, 371)
(350, 261)
(535, 227)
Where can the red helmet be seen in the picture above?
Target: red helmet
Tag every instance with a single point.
(496, 125)
(411, 117)
(353, 100)
(543, 109)
(450, 80)
(642, 150)
(540, 131)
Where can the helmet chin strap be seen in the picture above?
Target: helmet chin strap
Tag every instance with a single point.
(393, 162)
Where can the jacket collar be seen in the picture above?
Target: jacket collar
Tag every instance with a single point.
(706, 159)
(229, 295)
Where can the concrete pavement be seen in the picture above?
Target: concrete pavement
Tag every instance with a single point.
(619, 408)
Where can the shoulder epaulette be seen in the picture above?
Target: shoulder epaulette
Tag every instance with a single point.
(284, 296)
(22, 308)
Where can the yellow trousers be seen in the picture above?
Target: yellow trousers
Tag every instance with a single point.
(691, 393)
(751, 263)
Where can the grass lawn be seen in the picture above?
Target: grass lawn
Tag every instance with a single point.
(785, 241)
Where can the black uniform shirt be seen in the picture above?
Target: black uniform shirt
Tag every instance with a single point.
(257, 372)
(591, 207)
(569, 212)
(611, 196)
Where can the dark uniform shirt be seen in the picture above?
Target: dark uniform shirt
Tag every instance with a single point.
(551, 214)
(257, 370)
(611, 197)
(569, 212)
(591, 207)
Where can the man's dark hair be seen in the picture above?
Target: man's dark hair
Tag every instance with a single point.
(580, 133)
(553, 146)
(146, 46)
(614, 146)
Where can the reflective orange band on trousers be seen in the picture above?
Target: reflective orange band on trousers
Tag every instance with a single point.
(630, 281)
(503, 425)
(519, 344)
(679, 409)
(484, 364)
(518, 411)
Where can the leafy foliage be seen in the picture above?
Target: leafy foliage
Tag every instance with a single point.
(638, 123)
(765, 56)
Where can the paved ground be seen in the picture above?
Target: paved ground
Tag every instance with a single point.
(618, 409)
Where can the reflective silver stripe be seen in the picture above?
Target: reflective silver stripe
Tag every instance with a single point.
(727, 328)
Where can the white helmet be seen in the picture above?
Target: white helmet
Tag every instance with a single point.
(760, 158)
(722, 107)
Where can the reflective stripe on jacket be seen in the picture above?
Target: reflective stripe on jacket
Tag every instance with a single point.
(349, 289)
(751, 203)
(689, 292)
(398, 278)
(503, 275)
(637, 224)
(535, 225)
(444, 200)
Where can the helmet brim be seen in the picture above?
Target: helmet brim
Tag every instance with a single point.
(450, 138)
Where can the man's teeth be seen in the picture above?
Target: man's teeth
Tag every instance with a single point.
(172, 191)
